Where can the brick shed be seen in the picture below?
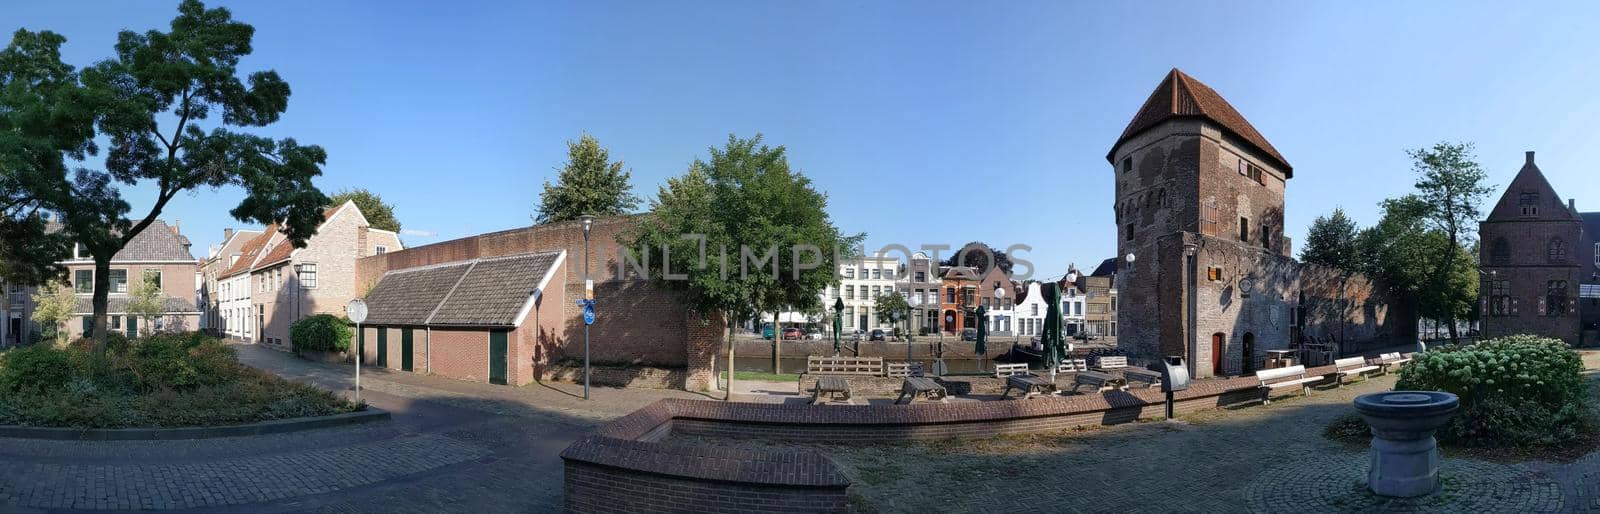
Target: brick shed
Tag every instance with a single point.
(478, 319)
(639, 325)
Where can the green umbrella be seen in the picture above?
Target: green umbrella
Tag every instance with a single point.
(838, 323)
(1055, 346)
(983, 332)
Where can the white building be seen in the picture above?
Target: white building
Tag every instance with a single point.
(1072, 311)
(861, 283)
(1030, 311)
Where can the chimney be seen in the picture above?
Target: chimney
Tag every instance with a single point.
(1572, 204)
(1530, 156)
(227, 234)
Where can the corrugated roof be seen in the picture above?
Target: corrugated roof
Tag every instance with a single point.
(482, 292)
(1178, 96)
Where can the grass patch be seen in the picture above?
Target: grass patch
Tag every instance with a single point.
(762, 376)
(166, 380)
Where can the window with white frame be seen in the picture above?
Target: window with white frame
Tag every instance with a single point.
(308, 275)
(119, 281)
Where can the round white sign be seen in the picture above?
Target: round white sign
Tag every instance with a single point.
(356, 310)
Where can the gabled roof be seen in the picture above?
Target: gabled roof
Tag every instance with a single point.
(158, 242)
(1181, 96)
(1530, 180)
(1591, 224)
(493, 292)
(251, 251)
(1106, 268)
(285, 249)
(961, 273)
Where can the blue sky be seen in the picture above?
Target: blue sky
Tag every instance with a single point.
(925, 122)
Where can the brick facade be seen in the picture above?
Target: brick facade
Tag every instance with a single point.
(638, 324)
(1533, 254)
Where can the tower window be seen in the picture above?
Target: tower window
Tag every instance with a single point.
(1127, 164)
(1557, 251)
(1244, 229)
(1500, 251)
(1555, 300)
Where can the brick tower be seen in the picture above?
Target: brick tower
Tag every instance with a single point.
(1199, 204)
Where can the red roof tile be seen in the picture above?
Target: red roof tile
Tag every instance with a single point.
(250, 251)
(1179, 96)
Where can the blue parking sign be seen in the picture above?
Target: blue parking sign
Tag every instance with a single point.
(588, 313)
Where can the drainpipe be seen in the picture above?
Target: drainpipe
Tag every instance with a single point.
(427, 350)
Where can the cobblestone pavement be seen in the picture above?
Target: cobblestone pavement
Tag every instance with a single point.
(1254, 458)
(452, 447)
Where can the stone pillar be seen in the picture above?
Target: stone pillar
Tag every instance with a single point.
(704, 339)
(1404, 459)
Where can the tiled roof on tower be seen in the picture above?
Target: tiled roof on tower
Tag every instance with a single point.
(1181, 96)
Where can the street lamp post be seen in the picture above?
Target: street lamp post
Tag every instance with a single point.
(588, 297)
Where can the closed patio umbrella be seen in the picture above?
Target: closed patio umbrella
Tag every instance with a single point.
(1055, 345)
(982, 346)
(838, 324)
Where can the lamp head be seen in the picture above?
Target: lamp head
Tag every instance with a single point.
(588, 221)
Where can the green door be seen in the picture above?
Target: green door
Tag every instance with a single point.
(88, 326)
(497, 357)
(361, 344)
(405, 349)
(383, 347)
(133, 327)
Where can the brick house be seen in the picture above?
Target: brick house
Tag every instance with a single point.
(479, 319)
(959, 299)
(1535, 255)
(1200, 205)
(639, 325)
(1099, 292)
(159, 254)
(288, 284)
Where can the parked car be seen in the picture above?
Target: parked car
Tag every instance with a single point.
(814, 335)
(969, 334)
(792, 334)
(767, 331)
(877, 335)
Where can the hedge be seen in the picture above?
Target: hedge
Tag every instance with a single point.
(322, 332)
(1515, 391)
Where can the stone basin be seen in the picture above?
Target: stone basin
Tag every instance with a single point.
(1404, 458)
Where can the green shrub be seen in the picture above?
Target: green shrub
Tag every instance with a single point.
(1515, 391)
(322, 333)
(35, 368)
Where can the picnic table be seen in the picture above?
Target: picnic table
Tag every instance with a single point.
(830, 388)
(922, 386)
(1099, 380)
(1030, 386)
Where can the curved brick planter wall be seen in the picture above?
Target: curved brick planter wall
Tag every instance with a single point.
(624, 467)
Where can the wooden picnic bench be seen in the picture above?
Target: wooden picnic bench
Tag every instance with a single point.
(854, 366)
(1279, 378)
(1350, 366)
(1100, 381)
(924, 387)
(903, 369)
(1030, 386)
(1006, 370)
(831, 388)
(1130, 374)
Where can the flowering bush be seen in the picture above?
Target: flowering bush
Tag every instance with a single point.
(1515, 391)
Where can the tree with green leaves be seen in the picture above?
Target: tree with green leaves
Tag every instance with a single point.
(46, 125)
(53, 305)
(892, 308)
(1451, 183)
(1332, 242)
(148, 103)
(1403, 252)
(977, 255)
(146, 303)
(589, 183)
(739, 234)
(379, 214)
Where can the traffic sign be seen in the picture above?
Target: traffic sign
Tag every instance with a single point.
(588, 313)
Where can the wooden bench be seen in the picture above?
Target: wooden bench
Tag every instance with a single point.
(1006, 370)
(1030, 386)
(924, 387)
(1279, 378)
(1073, 366)
(904, 369)
(1130, 374)
(1386, 360)
(1108, 363)
(831, 388)
(1101, 382)
(852, 366)
(1350, 366)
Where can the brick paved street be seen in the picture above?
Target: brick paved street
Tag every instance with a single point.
(452, 447)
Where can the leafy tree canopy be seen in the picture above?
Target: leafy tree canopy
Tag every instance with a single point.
(1332, 242)
(379, 214)
(149, 102)
(976, 255)
(589, 183)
